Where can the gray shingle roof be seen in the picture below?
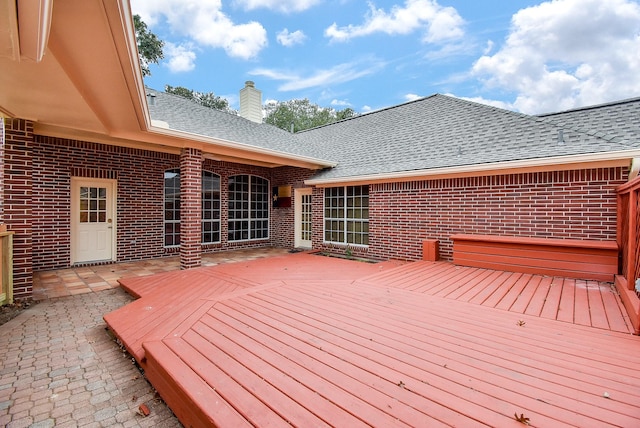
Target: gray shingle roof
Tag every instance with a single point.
(442, 131)
(182, 114)
(433, 132)
(618, 119)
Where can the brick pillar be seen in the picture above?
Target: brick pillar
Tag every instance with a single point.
(190, 208)
(18, 202)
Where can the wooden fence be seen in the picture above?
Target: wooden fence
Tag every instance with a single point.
(628, 283)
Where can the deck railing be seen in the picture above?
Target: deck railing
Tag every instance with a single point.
(628, 282)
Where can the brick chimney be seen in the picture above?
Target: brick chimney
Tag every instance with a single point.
(251, 102)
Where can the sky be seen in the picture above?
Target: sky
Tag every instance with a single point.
(527, 56)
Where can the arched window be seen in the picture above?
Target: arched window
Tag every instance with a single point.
(210, 207)
(249, 199)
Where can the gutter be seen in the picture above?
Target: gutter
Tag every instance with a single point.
(627, 158)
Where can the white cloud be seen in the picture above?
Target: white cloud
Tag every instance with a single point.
(205, 24)
(180, 58)
(285, 38)
(568, 53)
(438, 23)
(285, 6)
(412, 97)
(338, 74)
(340, 103)
(488, 48)
(366, 108)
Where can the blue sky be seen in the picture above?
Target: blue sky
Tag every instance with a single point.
(527, 56)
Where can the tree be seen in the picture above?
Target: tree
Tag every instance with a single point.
(208, 99)
(298, 115)
(149, 45)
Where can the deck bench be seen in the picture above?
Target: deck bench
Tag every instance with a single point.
(571, 258)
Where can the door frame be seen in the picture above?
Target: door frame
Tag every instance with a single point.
(76, 182)
(297, 215)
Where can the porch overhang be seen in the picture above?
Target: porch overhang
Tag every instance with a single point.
(623, 158)
(72, 68)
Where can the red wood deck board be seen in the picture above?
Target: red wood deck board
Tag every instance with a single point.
(155, 314)
(470, 289)
(582, 313)
(347, 345)
(428, 282)
(563, 334)
(492, 323)
(596, 306)
(253, 386)
(188, 396)
(412, 276)
(501, 290)
(523, 299)
(363, 346)
(297, 381)
(507, 301)
(444, 286)
(290, 341)
(503, 281)
(517, 293)
(394, 341)
(468, 276)
(616, 314)
(539, 297)
(552, 301)
(593, 399)
(393, 338)
(566, 303)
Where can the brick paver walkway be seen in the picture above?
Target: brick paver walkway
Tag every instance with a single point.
(59, 367)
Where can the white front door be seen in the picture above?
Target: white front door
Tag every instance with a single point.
(302, 218)
(92, 220)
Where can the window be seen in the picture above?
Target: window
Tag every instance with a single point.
(172, 207)
(93, 204)
(210, 207)
(346, 215)
(249, 198)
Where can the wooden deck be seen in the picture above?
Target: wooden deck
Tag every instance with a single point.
(305, 340)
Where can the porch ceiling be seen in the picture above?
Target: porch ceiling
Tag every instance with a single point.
(72, 68)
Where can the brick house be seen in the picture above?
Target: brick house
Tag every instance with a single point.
(97, 168)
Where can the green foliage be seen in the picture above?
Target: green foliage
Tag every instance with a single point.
(149, 45)
(302, 114)
(208, 99)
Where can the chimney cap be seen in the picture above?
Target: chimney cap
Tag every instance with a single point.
(249, 84)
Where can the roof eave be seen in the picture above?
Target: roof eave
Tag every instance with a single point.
(222, 146)
(558, 163)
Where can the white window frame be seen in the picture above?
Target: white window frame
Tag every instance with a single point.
(340, 213)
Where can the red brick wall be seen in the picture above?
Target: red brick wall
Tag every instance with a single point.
(140, 176)
(282, 218)
(190, 208)
(17, 210)
(566, 204)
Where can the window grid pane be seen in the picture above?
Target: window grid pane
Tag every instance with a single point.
(249, 199)
(210, 208)
(172, 207)
(346, 215)
(306, 217)
(93, 204)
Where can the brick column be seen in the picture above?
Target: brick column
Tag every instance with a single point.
(18, 201)
(190, 208)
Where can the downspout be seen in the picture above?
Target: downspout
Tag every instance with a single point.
(634, 168)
